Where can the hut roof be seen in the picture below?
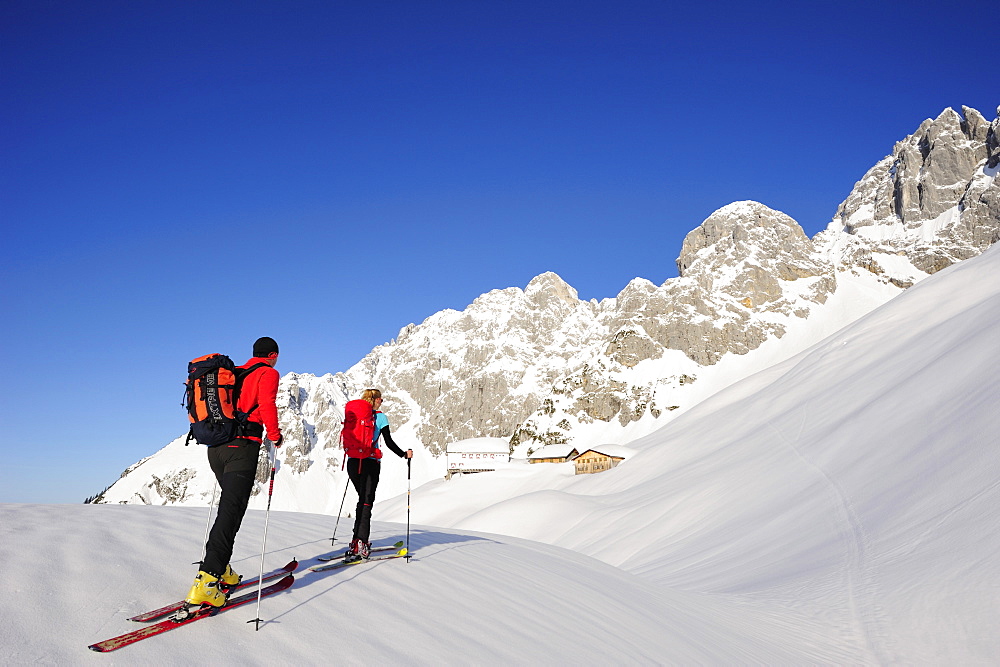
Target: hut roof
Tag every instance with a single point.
(616, 451)
(552, 452)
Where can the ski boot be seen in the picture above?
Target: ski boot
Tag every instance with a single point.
(205, 590)
(359, 550)
(229, 580)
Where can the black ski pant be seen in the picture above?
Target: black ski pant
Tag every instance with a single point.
(235, 468)
(364, 475)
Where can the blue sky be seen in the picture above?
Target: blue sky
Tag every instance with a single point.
(180, 178)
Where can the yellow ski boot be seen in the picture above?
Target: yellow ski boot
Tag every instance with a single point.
(205, 590)
(229, 580)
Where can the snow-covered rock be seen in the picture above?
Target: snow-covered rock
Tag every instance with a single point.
(539, 366)
(935, 200)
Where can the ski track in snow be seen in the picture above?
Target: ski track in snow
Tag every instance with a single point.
(858, 576)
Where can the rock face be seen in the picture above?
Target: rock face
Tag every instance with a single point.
(476, 373)
(935, 200)
(539, 366)
(744, 259)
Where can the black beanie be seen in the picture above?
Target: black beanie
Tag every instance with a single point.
(264, 346)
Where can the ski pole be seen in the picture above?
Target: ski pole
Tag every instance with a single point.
(333, 539)
(267, 515)
(211, 506)
(408, 509)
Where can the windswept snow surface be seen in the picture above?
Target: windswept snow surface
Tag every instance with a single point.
(851, 489)
(838, 508)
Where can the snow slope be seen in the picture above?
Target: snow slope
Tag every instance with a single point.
(465, 598)
(838, 508)
(852, 482)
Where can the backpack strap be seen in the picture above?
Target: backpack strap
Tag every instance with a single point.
(241, 375)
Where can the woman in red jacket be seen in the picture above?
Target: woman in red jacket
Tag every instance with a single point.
(364, 474)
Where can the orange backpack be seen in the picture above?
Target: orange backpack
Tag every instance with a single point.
(211, 395)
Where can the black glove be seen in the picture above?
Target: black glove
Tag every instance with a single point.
(281, 439)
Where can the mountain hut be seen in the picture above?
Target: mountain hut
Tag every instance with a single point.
(601, 458)
(477, 455)
(553, 454)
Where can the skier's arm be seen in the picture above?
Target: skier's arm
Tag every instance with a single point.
(387, 439)
(267, 393)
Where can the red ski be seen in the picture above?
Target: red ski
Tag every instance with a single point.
(176, 606)
(176, 621)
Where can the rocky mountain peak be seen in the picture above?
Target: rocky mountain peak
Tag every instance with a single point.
(635, 295)
(974, 124)
(744, 260)
(934, 200)
(548, 286)
(740, 232)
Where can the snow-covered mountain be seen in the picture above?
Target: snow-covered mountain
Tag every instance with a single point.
(540, 366)
(837, 508)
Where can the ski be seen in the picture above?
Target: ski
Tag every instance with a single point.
(336, 556)
(171, 608)
(402, 553)
(177, 621)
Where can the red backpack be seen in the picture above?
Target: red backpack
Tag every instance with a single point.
(358, 434)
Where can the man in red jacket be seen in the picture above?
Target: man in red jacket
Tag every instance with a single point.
(235, 467)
